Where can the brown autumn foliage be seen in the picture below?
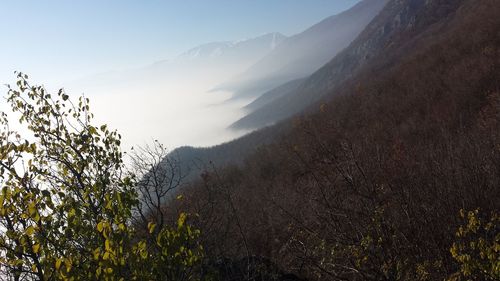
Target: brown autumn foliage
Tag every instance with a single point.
(370, 187)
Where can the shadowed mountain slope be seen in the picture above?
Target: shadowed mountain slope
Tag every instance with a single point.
(385, 41)
(395, 177)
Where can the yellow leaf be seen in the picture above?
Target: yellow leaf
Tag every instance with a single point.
(181, 220)
(100, 226)
(68, 264)
(58, 263)
(36, 248)
(32, 209)
(30, 230)
(96, 253)
(71, 213)
(151, 227)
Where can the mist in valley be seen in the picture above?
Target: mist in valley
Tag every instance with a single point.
(180, 99)
(165, 102)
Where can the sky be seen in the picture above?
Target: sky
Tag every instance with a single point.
(63, 40)
(60, 41)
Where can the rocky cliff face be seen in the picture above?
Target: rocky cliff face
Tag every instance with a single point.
(400, 21)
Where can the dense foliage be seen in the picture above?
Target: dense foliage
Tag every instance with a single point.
(67, 204)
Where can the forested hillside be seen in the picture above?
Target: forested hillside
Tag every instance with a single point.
(396, 177)
(384, 164)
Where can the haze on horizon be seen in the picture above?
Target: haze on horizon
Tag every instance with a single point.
(124, 56)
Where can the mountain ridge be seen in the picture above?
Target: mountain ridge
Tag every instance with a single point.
(385, 180)
(302, 54)
(377, 37)
(215, 49)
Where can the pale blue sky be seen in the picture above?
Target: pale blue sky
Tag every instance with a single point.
(64, 40)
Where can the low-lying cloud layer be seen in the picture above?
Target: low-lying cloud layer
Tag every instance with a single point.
(172, 101)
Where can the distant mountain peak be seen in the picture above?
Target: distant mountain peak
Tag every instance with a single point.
(273, 36)
(277, 38)
(212, 49)
(265, 42)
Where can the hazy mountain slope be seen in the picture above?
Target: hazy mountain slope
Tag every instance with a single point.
(212, 62)
(384, 42)
(397, 22)
(274, 94)
(195, 160)
(174, 94)
(302, 54)
(375, 185)
(238, 53)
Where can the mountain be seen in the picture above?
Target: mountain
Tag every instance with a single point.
(395, 176)
(273, 94)
(249, 49)
(185, 79)
(383, 42)
(222, 59)
(195, 160)
(211, 62)
(376, 42)
(302, 54)
(216, 61)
